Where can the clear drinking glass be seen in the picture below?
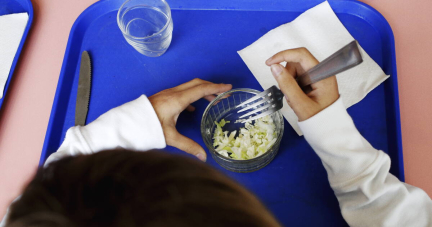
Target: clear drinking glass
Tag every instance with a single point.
(146, 25)
(223, 107)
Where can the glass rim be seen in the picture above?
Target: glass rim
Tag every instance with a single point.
(122, 29)
(213, 151)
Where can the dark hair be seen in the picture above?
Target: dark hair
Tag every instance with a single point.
(127, 188)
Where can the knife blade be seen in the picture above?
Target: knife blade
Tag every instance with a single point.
(83, 94)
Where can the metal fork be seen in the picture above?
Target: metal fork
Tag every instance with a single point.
(270, 100)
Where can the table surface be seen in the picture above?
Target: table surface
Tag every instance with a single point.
(25, 113)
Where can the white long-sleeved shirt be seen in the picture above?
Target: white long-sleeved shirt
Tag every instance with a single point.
(368, 194)
(359, 175)
(133, 125)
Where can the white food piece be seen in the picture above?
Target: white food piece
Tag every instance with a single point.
(253, 140)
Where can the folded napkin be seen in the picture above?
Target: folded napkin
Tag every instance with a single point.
(11, 31)
(321, 32)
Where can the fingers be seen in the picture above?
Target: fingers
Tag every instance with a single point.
(326, 84)
(190, 108)
(203, 90)
(196, 82)
(190, 84)
(210, 97)
(292, 69)
(299, 55)
(288, 85)
(175, 139)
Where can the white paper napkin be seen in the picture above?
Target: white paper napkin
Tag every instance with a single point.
(11, 31)
(321, 32)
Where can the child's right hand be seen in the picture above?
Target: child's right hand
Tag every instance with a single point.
(324, 93)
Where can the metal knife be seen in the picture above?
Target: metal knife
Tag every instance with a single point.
(83, 94)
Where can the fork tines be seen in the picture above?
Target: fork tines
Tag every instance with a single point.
(263, 104)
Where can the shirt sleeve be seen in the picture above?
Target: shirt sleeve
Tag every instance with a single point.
(368, 194)
(133, 126)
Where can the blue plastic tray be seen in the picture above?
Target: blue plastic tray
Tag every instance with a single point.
(9, 7)
(206, 36)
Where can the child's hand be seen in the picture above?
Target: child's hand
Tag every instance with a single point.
(325, 92)
(169, 103)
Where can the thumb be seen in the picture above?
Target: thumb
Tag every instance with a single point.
(185, 144)
(288, 85)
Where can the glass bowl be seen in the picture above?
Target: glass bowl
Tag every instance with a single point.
(223, 107)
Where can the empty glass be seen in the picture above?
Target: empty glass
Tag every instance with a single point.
(146, 25)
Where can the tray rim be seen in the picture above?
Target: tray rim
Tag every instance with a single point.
(393, 67)
(27, 29)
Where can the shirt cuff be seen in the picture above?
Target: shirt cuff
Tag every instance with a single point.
(133, 125)
(335, 139)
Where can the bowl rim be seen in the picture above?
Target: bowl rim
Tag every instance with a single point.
(210, 146)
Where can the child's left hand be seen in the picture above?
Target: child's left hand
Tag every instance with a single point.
(168, 104)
